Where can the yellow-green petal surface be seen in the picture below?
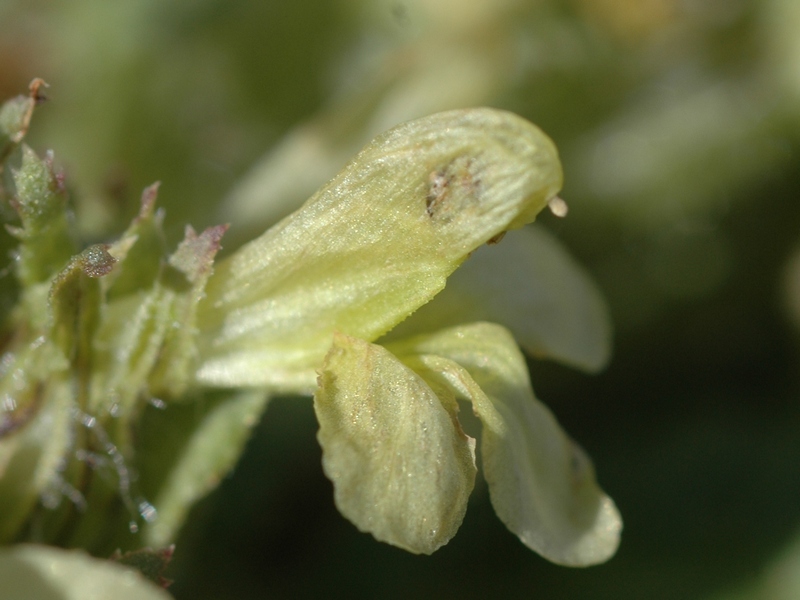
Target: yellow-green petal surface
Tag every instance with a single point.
(541, 484)
(402, 468)
(372, 245)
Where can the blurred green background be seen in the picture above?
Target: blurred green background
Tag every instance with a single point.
(678, 122)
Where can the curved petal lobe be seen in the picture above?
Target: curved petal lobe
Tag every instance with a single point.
(402, 468)
(530, 284)
(541, 483)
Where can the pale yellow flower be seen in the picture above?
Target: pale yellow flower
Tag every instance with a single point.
(299, 307)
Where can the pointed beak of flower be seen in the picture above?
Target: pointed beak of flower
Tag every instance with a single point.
(373, 245)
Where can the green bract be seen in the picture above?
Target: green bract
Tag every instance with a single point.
(131, 376)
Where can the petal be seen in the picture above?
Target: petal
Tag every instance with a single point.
(541, 483)
(530, 284)
(401, 466)
(374, 244)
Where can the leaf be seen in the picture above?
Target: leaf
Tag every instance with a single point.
(126, 349)
(140, 250)
(32, 452)
(75, 302)
(373, 245)
(186, 273)
(541, 484)
(136, 314)
(147, 343)
(40, 200)
(530, 284)
(15, 118)
(29, 572)
(186, 449)
(401, 466)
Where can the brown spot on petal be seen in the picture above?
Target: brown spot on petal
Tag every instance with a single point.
(450, 188)
(453, 188)
(437, 189)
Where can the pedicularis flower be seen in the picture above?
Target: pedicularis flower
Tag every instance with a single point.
(124, 362)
